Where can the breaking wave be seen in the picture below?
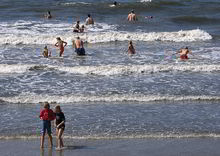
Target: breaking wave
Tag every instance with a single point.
(34, 98)
(109, 70)
(37, 32)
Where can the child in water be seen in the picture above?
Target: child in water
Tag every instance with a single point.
(46, 53)
(131, 49)
(60, 126)
(46, 115)
(60, 44)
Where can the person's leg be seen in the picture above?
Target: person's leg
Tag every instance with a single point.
(50, 140)
(59, 137)
(49, 132)
(57, 131)
(42, 140)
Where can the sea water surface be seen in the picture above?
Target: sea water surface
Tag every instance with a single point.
(107, 93)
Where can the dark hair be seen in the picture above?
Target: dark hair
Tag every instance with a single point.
(46, 105)
(132, 11)
(115, 3)
(58, 38)
(48, 12)
(77, 21)
(77, 37)
(89, 15)
(186, 48)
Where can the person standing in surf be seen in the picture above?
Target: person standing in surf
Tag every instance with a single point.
(132, 16)
(60, 44)
(60, 126)
(79, 48)
(46, 53)
(184, 53)
(131, 49)
(46, 115)
(89, 20)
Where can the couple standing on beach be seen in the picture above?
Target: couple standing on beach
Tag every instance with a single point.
(47, 115)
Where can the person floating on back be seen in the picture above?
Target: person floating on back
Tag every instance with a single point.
(131, 49)
(184, 53)
(46, 53)
(132, 16)
(76, 27)
(79, 49)
(48, 15)
(60, 126)
(60, 44)
(89, 20)
(46, 115)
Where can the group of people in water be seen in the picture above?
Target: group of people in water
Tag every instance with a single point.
(78, 43)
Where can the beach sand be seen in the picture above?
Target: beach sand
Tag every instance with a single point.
(120, 147)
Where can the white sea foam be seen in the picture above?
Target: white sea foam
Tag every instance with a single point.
(107, 137)
(110, 70)
(145, 0)
(74, 3)
(35, 98)
(38, 32)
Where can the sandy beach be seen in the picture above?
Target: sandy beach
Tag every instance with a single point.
(128, 147)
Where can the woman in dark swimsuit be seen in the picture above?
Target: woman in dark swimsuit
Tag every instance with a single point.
(60, 126)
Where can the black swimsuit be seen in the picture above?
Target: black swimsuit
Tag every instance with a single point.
(60, 118)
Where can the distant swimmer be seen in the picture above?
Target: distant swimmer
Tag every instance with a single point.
(60, 44)
(114, 4)
(89, 20)
(79, 49)
(76, 27)
(148, 17)
(131, 49)
(46, 53)
(184, 53)
(48, 15)
(82, 28)
(132, 16)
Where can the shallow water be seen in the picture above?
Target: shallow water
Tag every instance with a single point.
(108, 87)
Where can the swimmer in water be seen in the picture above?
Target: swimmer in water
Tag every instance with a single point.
(46, 53)
(60, 44)
(82, 29)
(114, 4)
(48, 15)
(184, 53)
(77, 27)
(89, 20)
(131, 49)
(132, 16)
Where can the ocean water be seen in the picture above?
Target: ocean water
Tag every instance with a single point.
(108, 93)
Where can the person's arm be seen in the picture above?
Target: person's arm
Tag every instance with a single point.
(65, 43)
(56, 44)
(128, 17)
(82, 44)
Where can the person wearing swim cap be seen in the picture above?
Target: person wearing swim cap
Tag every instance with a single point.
(60, 44)
(79, 49)
(132, 16)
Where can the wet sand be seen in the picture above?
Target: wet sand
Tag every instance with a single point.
(121, 147)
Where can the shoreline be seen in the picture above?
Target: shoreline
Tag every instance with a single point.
(114, 147)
